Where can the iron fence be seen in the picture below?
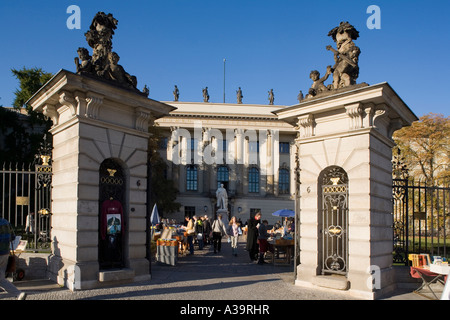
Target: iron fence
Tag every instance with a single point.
(421, 216)
(26, 201)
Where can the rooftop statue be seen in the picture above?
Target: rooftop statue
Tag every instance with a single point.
(271, 97)
(239, 95)
(176, 94)
(205, 94)
(104, 62)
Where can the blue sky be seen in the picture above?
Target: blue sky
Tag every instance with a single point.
(267, 45)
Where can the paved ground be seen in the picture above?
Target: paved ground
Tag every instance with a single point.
(199, 277)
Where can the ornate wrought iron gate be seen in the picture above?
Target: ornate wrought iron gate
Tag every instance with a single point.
(26, 199)
(421, 216)
(334, 220)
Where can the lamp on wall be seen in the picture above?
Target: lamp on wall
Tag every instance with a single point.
(239, 209)
(205, 208)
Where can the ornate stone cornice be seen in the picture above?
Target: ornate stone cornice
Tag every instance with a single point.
(67, 99)
(93, 104)
(356, 114)
(306, 125)
(143, 117)
(50, 111)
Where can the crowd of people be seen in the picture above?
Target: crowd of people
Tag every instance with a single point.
(203, 231)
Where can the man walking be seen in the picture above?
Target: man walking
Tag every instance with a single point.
(6, 236)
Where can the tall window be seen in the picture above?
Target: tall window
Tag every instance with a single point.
(223, 176)
(284, 147)
(189, 211)
(191, 178)
(253, 180)
(283, 181)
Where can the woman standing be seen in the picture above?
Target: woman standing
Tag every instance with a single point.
(234, 231)
(218, 231)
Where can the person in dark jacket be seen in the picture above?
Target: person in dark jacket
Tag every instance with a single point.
(199, 230)
(207, 230)
(6, 236)
(252, 236)
(264, 245)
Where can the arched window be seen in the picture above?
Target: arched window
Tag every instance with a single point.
(253, 180)
(191, 178)
(283, 181)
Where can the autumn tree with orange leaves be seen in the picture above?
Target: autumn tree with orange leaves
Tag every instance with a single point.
(425, 148)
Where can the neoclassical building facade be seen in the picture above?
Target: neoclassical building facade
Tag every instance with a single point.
(245, 147)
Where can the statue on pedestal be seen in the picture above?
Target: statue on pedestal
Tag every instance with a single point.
(222, 198)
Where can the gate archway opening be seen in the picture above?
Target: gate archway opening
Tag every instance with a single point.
(112, 214)
(333, 221)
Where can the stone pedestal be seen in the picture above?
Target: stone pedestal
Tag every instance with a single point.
(350, 131)
(94, 121)
(224, 213)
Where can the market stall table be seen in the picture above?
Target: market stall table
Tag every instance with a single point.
(428, 277)
(442, 269)
(282, 247)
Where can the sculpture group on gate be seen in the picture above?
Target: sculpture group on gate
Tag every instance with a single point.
(104, 63)
(345, 70)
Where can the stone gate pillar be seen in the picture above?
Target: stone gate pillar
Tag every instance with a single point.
(349, 132)
(95, 123)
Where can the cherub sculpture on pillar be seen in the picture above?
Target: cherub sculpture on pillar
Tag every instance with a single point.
(104, 62)
(346, 69)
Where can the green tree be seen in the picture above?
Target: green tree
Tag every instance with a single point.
(163, 190)
(31, 80)
(22, 134)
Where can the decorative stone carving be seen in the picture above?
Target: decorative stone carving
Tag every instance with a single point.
(66, 99)
(92, 106)
(86, 61)
(103, 63)
(50, 111)
(308, 124)
(142, 119)
(346, 69)
(356, 114)
(318, 85)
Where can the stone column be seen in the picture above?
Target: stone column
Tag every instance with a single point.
(94, 121)
(353, 131)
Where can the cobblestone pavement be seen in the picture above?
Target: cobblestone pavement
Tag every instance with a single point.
(199, 277)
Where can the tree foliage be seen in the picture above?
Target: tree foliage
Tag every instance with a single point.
(425, 147)
(22, 134)
(31, 80)
(163, 190)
